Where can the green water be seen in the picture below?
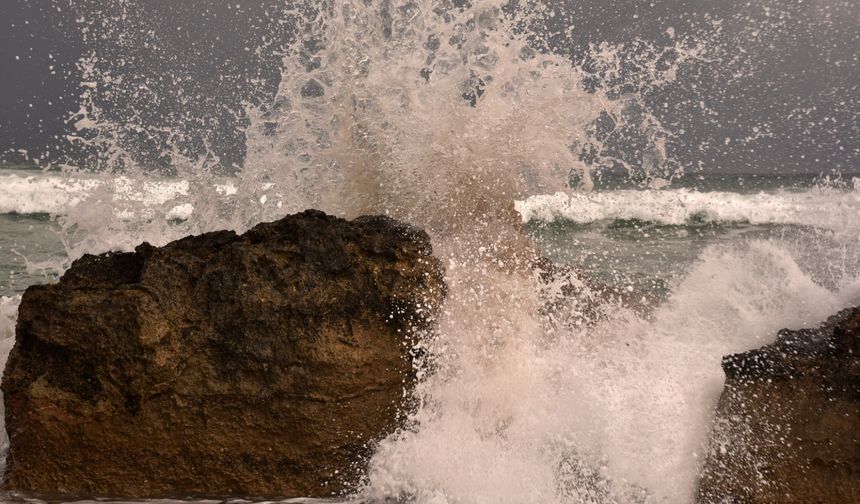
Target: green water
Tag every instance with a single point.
(29, 244)
(649, 256)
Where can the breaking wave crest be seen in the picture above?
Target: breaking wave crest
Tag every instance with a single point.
(834, 210)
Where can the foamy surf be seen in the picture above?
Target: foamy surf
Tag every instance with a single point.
(57, 194)
(614, 413)
(816, 207)
(827, 209)
(8, 315)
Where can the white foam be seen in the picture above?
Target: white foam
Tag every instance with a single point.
(611, 413)
(837, 210)
(28, 194)
(8, 316)
(57, 194)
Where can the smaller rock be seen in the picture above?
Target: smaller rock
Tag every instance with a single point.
(787, 426)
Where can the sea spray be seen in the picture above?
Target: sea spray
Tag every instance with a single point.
(395, 108)
(615, 412)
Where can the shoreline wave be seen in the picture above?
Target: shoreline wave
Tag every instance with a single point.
(25, 194)
(29, 194)
(833, 210)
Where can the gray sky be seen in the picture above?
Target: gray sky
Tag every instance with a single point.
(799, 61)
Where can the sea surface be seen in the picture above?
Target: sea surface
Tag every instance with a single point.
(643, 238)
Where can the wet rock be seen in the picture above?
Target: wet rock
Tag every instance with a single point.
(787, 426)
(265, 364)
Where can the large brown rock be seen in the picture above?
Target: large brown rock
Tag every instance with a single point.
(787, 426)
(265, 364)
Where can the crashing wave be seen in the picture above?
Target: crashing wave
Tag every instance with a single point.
(58, 194)
(824, 209)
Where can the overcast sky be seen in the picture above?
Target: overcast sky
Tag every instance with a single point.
(805, 85)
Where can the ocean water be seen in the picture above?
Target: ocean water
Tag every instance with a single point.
(460, 118)
(614, 412)
(645, 239)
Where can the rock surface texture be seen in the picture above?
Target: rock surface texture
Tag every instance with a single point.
(265, 364)
(787, 427)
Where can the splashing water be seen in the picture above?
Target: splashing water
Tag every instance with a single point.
(443, 115)
(616, 412)
(372, 115)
